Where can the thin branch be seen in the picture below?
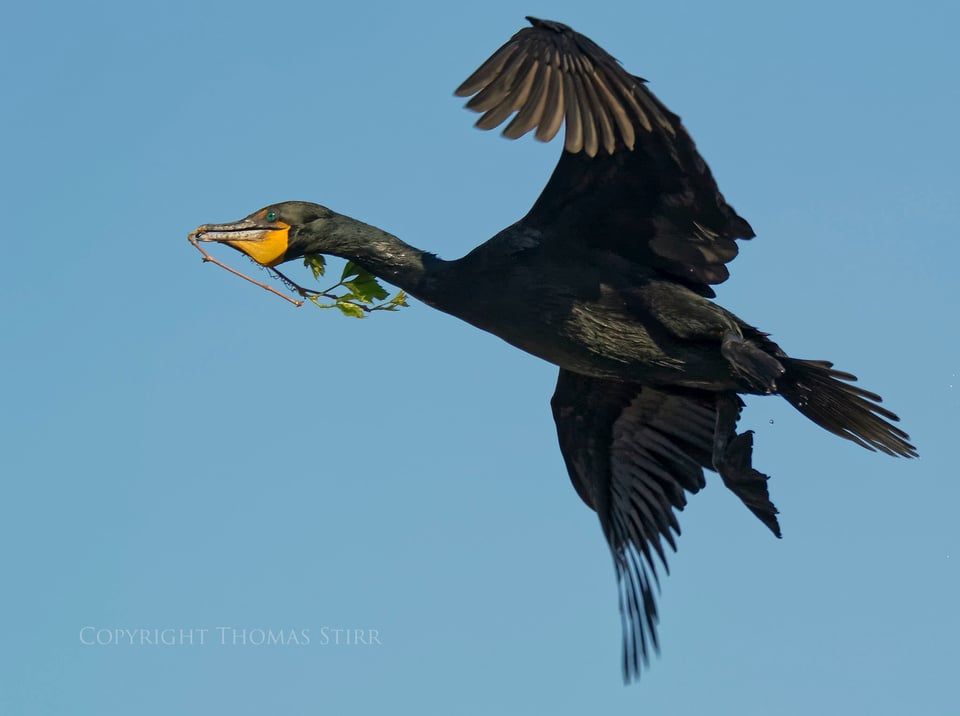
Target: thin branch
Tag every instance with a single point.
(313, 294)
(308, 293)
(304, 292)
(192, 238)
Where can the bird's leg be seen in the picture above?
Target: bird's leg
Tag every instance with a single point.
(732, 458)
(759, 367)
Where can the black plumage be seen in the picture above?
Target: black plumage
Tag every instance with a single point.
(609, 277)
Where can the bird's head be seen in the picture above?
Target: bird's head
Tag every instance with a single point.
(273, 234)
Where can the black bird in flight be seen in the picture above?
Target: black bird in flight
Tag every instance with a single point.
(608, 277)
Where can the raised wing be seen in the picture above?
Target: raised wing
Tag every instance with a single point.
(548, 73)
(630, 179)
(631, 451)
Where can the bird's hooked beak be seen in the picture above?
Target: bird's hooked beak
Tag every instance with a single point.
(263, 240)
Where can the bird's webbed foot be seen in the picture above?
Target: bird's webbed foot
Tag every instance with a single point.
(732, 459)
(760, 368)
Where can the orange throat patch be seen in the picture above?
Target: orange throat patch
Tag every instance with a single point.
(268, 250)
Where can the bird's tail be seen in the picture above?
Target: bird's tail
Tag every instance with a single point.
(827, 397)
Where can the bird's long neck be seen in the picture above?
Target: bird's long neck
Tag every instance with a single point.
(384, 255)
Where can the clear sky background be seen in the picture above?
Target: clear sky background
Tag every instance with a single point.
(182, 450)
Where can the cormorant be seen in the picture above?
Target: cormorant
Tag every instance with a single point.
(609, 277)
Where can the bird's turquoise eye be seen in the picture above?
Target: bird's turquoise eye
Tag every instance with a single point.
(271, 215)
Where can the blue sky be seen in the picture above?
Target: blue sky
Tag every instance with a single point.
(181, 450)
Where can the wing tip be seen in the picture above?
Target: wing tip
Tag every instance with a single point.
(601, 107)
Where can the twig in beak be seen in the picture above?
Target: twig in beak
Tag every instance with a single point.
(192, 238)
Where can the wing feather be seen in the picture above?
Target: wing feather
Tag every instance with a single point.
(581, 97)
(531, 110)
(630, 179)
(632, 453)
(488, 71)
(617, 102)
(574, 138)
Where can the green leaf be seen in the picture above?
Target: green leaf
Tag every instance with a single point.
(350, 309)
(316, 263)
(364, 292)
(363, 284)
(367, 291)
(351, 269)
